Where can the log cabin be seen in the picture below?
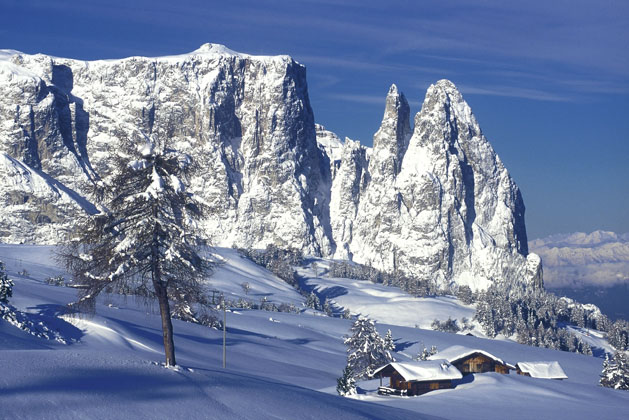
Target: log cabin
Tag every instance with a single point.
(417, 378)
(544, 370)
(468, 360)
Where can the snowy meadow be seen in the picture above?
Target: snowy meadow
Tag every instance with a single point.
(279, 364)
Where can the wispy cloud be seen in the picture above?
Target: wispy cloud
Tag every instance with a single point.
(359, 64)
(515, 92)
(364, 99)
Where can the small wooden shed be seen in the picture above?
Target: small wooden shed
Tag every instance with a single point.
(544, 370)
(470, 360)
(417, 378)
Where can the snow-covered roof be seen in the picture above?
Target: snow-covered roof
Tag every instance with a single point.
(547, 370)
(425, 370)
(454, 353)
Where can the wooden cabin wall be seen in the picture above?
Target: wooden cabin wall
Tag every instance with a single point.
(476, 364)
(479, 363)
(419, 388)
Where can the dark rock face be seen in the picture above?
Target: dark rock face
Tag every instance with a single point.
(436, 202)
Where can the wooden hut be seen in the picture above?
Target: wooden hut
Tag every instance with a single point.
(469, 360)
(545, 370)
(416, 378)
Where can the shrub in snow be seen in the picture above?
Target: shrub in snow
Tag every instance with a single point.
(346, 384)
(426, 353)
(245, 287)
(366, 349)
(6, 285)
(145, 236)
(450, 325)
(56, 281)
(616, 371)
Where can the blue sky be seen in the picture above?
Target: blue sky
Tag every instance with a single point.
(547, 80)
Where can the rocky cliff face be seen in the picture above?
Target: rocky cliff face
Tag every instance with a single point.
(246, 119)
(436, 202)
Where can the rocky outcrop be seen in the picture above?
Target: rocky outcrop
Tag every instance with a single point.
(435, 201)
(35, 207)
(439, 206)
(246, 119)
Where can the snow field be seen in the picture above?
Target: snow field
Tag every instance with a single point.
(279, 365)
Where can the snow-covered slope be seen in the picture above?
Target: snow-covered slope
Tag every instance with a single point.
(577, 260)
(279, 366)
(434, 201)
(385, 304)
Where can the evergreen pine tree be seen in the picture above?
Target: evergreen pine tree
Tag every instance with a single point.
(6, 285)
(144, 238)
(366, 349)
(346, 314)
(425, 353)
(346, 384)
(327, 308)
(313, 301)
(388, 341)
(615, 372)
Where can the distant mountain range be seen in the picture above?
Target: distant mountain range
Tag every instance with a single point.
(591, 268)
(578, 259)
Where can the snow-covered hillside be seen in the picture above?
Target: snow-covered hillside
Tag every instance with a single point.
(279, 365)
(386, 304)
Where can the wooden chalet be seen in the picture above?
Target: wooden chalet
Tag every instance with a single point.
(417, 378)
(544, 370)
(468, 360)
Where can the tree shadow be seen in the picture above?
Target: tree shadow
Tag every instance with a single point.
(401, 346)
(48, 317)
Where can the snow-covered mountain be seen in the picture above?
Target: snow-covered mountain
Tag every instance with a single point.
(434, 201)
(437, 203)
(579, 259)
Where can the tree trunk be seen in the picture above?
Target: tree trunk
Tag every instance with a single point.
(167, 325)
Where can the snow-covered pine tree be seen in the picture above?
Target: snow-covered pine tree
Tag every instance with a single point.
(346, 384)
(367, 350)
(145, 236)
(6, 285)
(327, 308)
(615, 372)
(389, 344)
(312, 301)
